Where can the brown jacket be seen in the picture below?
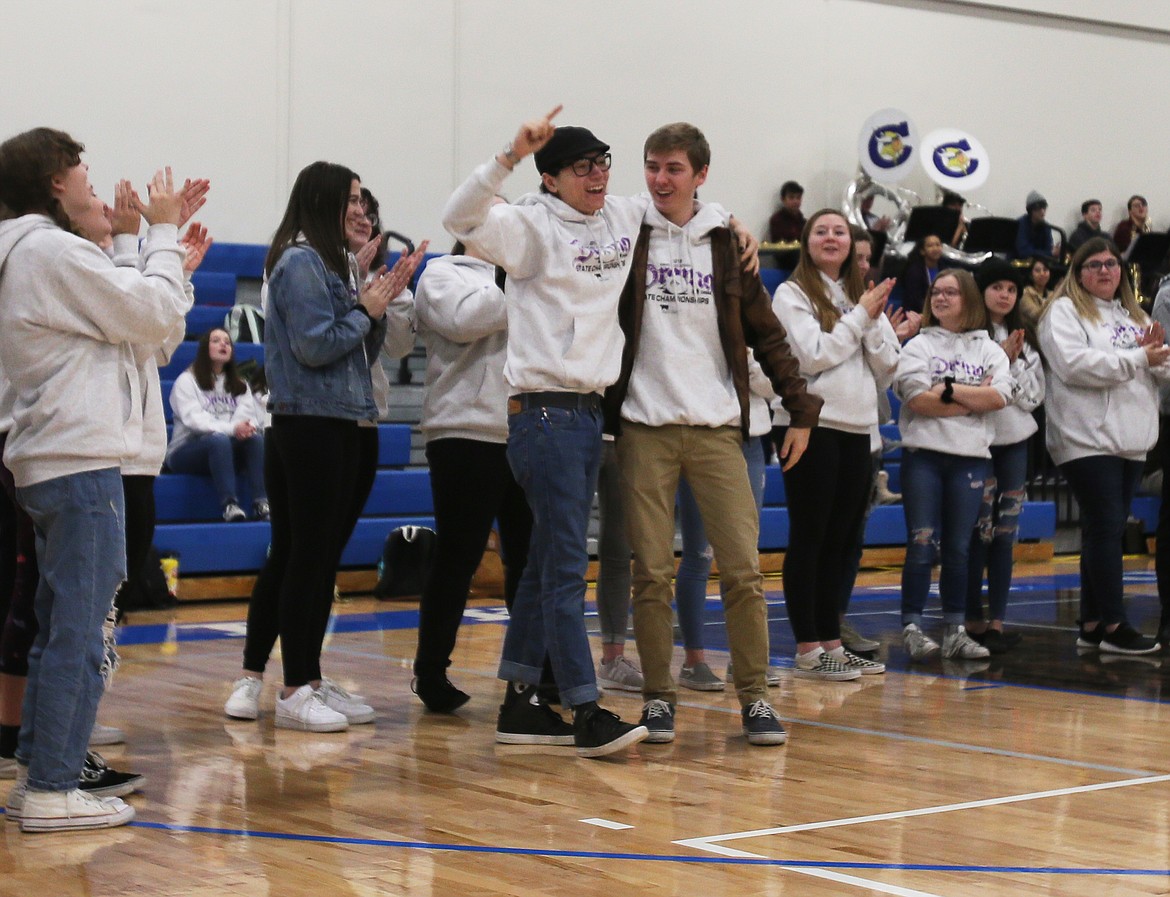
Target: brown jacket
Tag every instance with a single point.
(744, 310)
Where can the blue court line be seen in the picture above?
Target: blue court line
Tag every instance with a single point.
(642, 857)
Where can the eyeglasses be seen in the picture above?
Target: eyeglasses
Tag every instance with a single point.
(946, 292)
(582, 167)
(1107, 265)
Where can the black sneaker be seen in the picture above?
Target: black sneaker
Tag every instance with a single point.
(761, 725)
(1090, 638)
(525, 719)
(598, 732)
(439, 695)
(1126, 640)
(658, 718)
(101, 781)
(997, 642)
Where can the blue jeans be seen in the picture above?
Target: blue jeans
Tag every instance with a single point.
(81, 548)
(221, 456)
(1104, 486)
(554, 454)
(694, 568)
(941, 495)
(994, 536)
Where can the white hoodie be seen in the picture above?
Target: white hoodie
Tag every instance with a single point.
(845, 366)
(149, 459)
(565, 270)
(1102, 398)
(929, 358)
(463, 322)
(68, 320)
(1014, 422)
(680, 373)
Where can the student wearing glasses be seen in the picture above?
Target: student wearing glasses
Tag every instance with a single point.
(1102, 357)
(949, 378)
(567, 251)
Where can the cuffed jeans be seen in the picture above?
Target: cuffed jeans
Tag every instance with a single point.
(994, 537)
(81, 548)
(694, 566)
(554, 454)
(941, 496)
(221, 455)
(1104, 486)
(652, 459)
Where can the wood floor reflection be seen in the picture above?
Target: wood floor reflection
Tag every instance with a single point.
(1043, 772)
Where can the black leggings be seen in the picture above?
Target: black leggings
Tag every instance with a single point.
(828, 490)
(319, 472)
(140, 519)
(472, 486)
(19, 575)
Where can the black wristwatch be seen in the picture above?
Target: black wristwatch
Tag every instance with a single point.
(948, 393)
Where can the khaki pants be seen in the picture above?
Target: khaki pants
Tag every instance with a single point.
(651, 459)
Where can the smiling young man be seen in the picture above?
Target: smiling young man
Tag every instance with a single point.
(680, 406)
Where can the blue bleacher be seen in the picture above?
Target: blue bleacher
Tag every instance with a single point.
(772, 278)
(202, 318)
(214, 288)
(190, 525)
(240, 259)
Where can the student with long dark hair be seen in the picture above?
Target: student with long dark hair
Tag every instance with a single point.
(321, 330)
(217, 426)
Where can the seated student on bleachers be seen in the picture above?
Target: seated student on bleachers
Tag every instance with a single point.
(922, 267)
(1134, 225)
(1034, 234)
(787, 221)
(217, 426)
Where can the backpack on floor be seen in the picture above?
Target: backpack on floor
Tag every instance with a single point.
(245, 324)
(407, 558)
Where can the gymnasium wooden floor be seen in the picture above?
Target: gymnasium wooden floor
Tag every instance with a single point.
(1043, 772)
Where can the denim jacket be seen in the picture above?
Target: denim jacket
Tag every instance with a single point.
(317, 342)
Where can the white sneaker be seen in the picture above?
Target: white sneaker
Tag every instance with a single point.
(820, 664)
(861, 664)
(855, 641)
(233, 513)
(104, 735)
(919, 645)
(15, 805)
(957, 645)
(64, 811)
(348, 705)
(305, 709)
(619, 673)
(244, 702)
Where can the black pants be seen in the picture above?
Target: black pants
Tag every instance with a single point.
(472, 486)
(1162, 550)
(19, 575)
(140, 519)
(828, 491)
(318, 472)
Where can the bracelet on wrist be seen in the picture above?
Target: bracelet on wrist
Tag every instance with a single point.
(510, 154)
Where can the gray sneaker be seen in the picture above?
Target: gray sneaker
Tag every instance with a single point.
(771, 676)
(919, 645)
(658, 718)
(619, 673)
(957, 645)
(700, 678)
(856, 642)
